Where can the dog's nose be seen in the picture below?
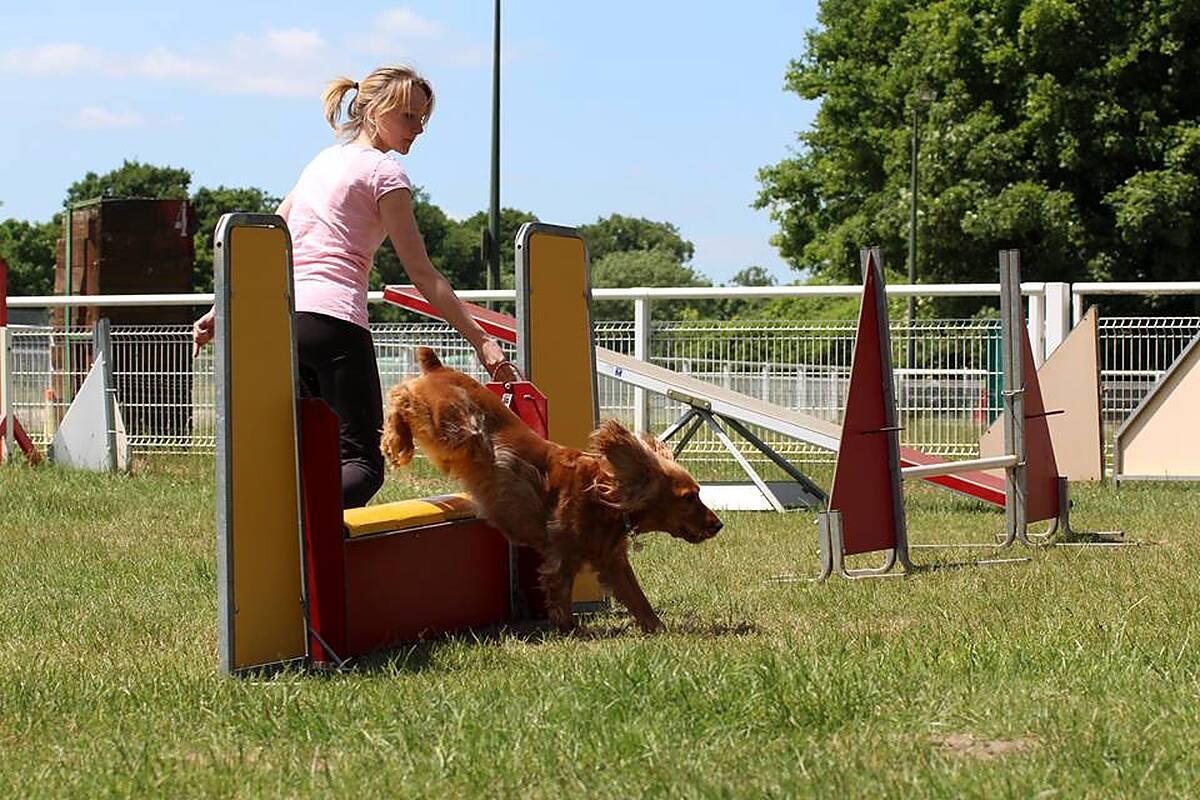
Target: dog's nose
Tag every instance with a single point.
(717, 528)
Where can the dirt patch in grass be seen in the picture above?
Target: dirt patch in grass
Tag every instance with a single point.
(972, 746)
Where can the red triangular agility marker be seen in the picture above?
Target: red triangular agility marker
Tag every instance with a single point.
(1041, 470)
(862, 479)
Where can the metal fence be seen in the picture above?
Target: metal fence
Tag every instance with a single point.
(948, 389)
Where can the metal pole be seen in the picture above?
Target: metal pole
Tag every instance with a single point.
(6, 403)
(493, 250)
(68, 255)
(910, 359)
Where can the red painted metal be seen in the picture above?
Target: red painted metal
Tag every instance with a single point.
(424, 582)
(1041, 470)
(23, 440)
(377, 591)
(502, 326)
(324, 568)
(3, 293)
(979, 485)
(863, 489)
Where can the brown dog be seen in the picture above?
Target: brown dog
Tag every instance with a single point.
(570, 506)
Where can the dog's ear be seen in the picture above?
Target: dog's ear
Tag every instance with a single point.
(658, 448)
(428, 360)
(397, 442)
(635, 466)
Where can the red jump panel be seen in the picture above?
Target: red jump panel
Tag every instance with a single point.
(425, 582)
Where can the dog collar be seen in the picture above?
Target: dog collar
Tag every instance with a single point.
(631, 530)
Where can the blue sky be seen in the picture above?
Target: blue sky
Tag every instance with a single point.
(664, 110)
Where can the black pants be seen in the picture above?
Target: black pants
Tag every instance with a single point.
(337, 364)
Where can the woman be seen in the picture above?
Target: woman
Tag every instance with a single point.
(347, 199)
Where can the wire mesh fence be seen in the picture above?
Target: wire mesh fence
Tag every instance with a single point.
(948, 375)
(1134, 354)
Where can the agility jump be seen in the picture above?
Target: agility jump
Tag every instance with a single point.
(298, 579)
(14, 435)
(866, 507)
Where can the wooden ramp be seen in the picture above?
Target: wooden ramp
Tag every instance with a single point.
(725, 402)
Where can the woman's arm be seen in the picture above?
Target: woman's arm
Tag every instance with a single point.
(285, 207)
(204, 328)
(401, 225)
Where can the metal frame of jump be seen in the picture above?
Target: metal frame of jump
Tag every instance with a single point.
(868, 515)
(6, 405)
(14, 435)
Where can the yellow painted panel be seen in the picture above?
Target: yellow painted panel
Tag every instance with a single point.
(267, 592)
(405, 514)
(561, 355)
(562, 358)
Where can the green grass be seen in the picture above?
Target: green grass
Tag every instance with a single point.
(1073, 675)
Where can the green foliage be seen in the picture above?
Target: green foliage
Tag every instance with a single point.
(454, 248)
(752, 276)
(28, 248)
(655, 267)
(132, 179)
(625, 251)
(1065, 128)
(472, 229)
(621, 234)
(207, 207)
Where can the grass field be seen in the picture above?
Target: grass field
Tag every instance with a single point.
(1076, 674)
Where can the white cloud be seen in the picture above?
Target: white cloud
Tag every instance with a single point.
(161, 63)
(287, 62)
(406, 22)
(54, 58)
(295, 43)
(96, 118)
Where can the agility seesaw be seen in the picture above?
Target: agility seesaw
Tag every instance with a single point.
(716, 406)
(866, 506)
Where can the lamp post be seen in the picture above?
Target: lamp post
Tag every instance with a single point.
(924, 96)
(493, 233)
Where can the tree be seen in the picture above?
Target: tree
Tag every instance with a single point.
(132, 179)
(630, 268)
(453, 247)
(1065, 128)
(752, 276)
(28, 248)
(620, 234)
(207, 207)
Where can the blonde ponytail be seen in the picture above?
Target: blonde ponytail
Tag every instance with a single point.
(381, 91)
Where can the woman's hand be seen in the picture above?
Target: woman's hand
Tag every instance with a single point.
(495, 362)
(203, 330)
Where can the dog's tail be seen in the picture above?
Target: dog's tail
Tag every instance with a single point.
(397, 442)
(428, 360)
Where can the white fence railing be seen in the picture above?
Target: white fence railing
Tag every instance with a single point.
(947, 393)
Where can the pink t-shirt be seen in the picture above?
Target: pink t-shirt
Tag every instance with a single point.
(336, 228)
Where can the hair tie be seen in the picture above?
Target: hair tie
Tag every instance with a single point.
(354, 86)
